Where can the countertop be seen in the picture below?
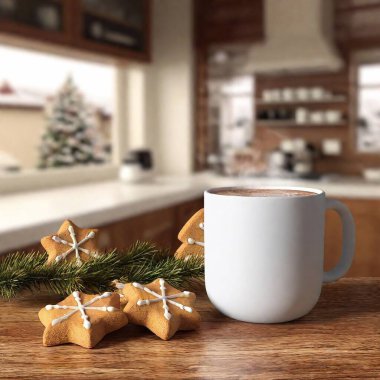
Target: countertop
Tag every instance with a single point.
(26, 217)
(339, 339)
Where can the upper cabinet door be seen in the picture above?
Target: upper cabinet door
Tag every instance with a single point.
(228, 22)
(46, 20)
(114, 27)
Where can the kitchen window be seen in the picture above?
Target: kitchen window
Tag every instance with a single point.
(231, 113)
(55, 112)
(368, 107)
(63, 118)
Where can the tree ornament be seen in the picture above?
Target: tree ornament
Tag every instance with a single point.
(192, 237)
(161, 308)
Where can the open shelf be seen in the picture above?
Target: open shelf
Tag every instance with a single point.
(332, 100)
(293, 124)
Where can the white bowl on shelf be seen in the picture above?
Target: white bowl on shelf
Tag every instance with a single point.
(333, 116)
(372, 174)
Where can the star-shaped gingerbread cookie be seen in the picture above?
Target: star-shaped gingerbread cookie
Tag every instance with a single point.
(82, 319)
(161, 308)
(192, 237)
(71, 243)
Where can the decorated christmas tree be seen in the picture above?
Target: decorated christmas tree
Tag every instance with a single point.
(71, 137)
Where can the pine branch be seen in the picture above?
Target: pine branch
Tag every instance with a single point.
(142, 263)
(175, 271)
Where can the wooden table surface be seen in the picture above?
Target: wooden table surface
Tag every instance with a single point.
(339, 339)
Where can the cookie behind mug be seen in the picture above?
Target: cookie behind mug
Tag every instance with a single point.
(192, 236)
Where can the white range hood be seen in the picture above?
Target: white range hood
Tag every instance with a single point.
(298, 38)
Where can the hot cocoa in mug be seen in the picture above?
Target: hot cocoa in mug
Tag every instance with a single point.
(244, 192)
(264, 251)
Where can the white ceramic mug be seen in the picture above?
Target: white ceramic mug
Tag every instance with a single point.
(264, 255)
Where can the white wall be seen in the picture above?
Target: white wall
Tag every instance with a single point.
(20, 134)
(165, 121)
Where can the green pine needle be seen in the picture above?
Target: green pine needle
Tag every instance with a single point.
(141, 263)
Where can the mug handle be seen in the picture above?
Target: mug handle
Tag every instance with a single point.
(348, 244)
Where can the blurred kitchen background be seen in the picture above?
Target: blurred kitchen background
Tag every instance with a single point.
(118, 114)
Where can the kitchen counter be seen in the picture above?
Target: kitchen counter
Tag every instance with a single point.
(26, 217)
(339, 339)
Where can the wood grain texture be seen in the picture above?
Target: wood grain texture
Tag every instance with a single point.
(228, 21)
(339, 339)
(356, 24)
(201, 131)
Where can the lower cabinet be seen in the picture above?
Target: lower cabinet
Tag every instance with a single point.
(366, 213)
(162, 226)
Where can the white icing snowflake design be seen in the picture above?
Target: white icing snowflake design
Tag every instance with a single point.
(74, 245)
(120, 286)
(81, 308)
(163, 298)
(192, 241)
